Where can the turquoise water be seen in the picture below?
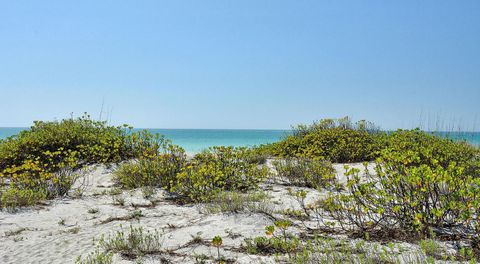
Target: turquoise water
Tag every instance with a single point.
(10, 131)
(471, 137)
(195, 140)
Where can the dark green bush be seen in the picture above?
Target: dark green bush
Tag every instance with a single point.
(421, 185)
(334, 140)
(87, 140)
(415, 147)
(159, 170)
(305, 172)
(218, 169)
(253, 155)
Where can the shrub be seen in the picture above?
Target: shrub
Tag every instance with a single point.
(14, 197)
(134, 243)
(274, 243)
(95, 257)
(30, 184)
(337, 251)
(218, 169)
(46, 159)
(329, 250)
(431, 248)
(304, 172)
(53, 143)
(334, 140)
(156, 170)
(235, 202)
(415, 148)
(421, 185)
(271, 245)
(254, 155)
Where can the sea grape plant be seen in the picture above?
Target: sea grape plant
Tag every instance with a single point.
(335, 140)
(420, 185)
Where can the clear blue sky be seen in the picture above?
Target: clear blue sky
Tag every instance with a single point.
(241, 64)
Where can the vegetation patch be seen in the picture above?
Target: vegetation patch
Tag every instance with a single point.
(216, 170)
(422, 185)
(154, 170)
(133, 243)
(136, 214)
(44, 161)
(305, 172)
(335, 140)
(235, 202)
(277, 241)
(95, 257)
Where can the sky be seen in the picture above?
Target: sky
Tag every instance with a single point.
(241, 64)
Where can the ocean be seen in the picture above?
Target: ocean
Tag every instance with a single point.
(196, 140)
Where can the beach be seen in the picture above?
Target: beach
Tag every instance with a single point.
(62, 229)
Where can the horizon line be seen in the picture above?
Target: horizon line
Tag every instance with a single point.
(270, 129)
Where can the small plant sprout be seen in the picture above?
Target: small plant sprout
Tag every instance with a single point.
(301, 196)
(93, 210)
(118, 200)
(269, 230)
(217, 242)
(136, 214)
(283, 225)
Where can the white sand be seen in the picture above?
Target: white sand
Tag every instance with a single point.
(42, 239)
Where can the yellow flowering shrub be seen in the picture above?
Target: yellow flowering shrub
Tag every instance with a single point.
(44, 159)
(156, 169)
(218, 169)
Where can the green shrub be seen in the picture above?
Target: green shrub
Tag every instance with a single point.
(431, 248)
(334, 140)
(254, 155)
(421, 184)
(218, 169)
(30, 183)
(271, 245)
(276, 242)
(235, 202)
(318, 249)
(46, 158)
(159, 170)
(11, 198)
(134, 243)
(52, 143)
(415, 148)
(95, 257)
(304, 172)
(322, 250)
